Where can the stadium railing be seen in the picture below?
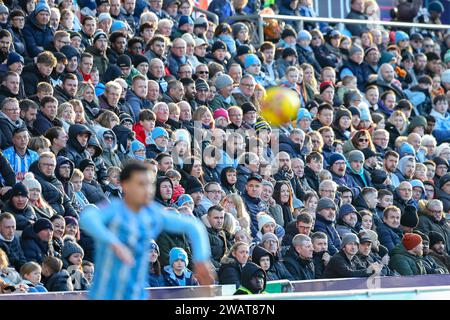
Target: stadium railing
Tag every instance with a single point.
(258, 20)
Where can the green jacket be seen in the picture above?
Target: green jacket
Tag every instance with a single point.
(405, 263)
(219, 102)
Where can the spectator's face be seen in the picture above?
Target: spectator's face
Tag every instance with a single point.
(45, 235)
(364, 248)
(439, 247)
(216, 219)
(71, 86)
(220, 54)
(157, 69)
(386, 201)
(156, 4)
(12, 110)
(351, 219)
(89, 173)
(162, 114)
(59, 226)
(5, 44)
(304, 228)
(8, 228)
(200, 50)
(358, 57)
(241, 254)
(405, 191)
(356, 165)
(166, 190)
(351, 248)
(83, 139)
(18, 22)
(266, 193)
(388, 73)
(417, 193)
(339, 168)
(372, 96)
(328, 213)
(43, 17)
(45, 69)
(185, 112)
(153, 91)
(236, 117)
(381, 139)
(13, 84)
(327, 75)
(113, 96)
(441, 106)
(158, 47)
(328, 137)
(253, 188)
(305, 250)
(390, 163)
(446, 188)
(202, 94)
(140, 88)
(89, 27)
(328, 191)
(392, 219)
(320, 245)
(179, 48)
(86, 65)
(203, 72)
(236, 74)
(328, 96)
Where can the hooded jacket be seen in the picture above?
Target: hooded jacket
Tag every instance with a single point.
(405, 263)
(254, 206)
(343, 228)
(100, 167)
(289, 146)
(328, 228)
(68, 186)
(312, 179)
(298, 267)
(94, 192)
(108, 155)
(257, 254)
(122, 134)
(228, 188)
(74, 151)
(248, 272)
(36, 35)
(7, 126)
(242, 173)
(34, 248)
(400, 172)
(53, 192)
(361, 179)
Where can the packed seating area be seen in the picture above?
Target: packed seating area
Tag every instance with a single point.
(356, 185)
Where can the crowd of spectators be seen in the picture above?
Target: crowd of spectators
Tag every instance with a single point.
(357, 185)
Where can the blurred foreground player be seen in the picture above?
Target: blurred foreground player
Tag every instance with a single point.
(122, 231)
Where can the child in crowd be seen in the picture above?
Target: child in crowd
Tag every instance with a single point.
(31, 275)
(113, 188)
(292, 79)
(72, 260)
(144, 126)
(137, 150)
(55, 278)
(175, 177)
(88, 271)
(80, 200)
(176, 274)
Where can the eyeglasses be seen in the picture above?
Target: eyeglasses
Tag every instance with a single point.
(214, 191)
(179, 48)
(363, 140)
(203, 72)
(108, 138)
(340, 163)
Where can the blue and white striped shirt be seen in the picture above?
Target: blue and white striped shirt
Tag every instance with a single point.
(20, 165)
(116, 223)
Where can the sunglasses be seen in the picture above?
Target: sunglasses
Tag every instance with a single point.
(203, 72)
(363, 140)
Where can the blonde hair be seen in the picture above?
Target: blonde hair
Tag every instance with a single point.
(242, 215)
(39, 142)
(64, 107)
(77, 174)
(4, 263)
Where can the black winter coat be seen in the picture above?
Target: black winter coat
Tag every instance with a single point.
(230, 271)
(219, 245)
(312, 179)
(31, 77)
(53, 192)
(24, 217)
(59, 281)
(93, 192)
(34, 248)
(74, 151)
(42, 123)
(14, 253)
(341, 267)
(299, 268)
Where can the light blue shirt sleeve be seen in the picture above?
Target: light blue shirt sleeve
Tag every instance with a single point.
(94, 223)
(193, 228)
